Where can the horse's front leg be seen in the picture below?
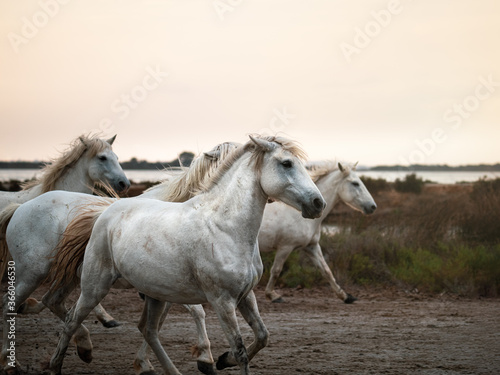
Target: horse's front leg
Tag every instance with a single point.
(202, 351)
(250, 312)
(106, 320)
(226, 312)
(148, 325)
(314, 252)
(279, 261)
(142, 365)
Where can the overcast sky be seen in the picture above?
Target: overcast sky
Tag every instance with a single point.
(379, 82)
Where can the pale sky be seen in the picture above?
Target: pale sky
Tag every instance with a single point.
(379, 82)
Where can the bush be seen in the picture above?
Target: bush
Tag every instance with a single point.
(411, 184)
(481, 219)
(375, 185)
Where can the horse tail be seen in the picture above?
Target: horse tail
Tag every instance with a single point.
(5, 216)
(69, 253)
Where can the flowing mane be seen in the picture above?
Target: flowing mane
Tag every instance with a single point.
(188, 183)
(318, 170)
(257, 158)
(53, 171)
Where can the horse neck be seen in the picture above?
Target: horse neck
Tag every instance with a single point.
(238, 199)
(76, 179)
(329, 188)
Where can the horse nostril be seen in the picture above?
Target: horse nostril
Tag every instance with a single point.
(123, 186)
(318, 204)
(374, 207)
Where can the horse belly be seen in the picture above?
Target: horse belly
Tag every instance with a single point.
(162, 279)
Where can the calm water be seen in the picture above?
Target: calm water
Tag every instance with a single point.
(149, 175)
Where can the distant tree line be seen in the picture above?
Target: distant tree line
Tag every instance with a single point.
(439, 168)
(184, 159)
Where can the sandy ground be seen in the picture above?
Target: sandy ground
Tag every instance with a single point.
(384, 332)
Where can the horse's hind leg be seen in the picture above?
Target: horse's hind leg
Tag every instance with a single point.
(54, 300)
(148, 325)
(13, 300)
(279, 260)
(250, 312)
(96, 283)
(314, 252)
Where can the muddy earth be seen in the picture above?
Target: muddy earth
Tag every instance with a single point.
(312, 332)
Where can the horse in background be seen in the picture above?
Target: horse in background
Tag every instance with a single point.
(88, 162)
(284, 230)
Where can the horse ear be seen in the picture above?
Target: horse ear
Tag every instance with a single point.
(82, 139)
(266, 145)
(212, 154)
(355, 165)
(111, 140)
(341, 168)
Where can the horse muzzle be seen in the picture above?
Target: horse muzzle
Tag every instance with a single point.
(314, 208)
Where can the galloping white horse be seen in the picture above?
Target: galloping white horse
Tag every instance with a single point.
(202, 250)
(88, 162)
(284, 231)
(47, 216)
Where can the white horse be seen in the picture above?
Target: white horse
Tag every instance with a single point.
(284, 231)
(202, 250)
(36, 228)
(88, 162)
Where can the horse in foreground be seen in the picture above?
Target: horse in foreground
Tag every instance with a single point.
(335, 181)
(202, 250)
(37, 227)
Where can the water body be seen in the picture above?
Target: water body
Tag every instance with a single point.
(154, 175)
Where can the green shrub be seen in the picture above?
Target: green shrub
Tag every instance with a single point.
(375, 185)
(297, 270)
(411, 184)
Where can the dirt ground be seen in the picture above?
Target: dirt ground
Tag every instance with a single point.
(384, 332)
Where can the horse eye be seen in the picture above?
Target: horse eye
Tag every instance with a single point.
(102, 158)
(356, 184)
(286, 163)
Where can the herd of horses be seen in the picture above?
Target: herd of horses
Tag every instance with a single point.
(194, 238)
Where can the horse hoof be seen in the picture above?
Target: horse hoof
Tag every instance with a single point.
(85, 354)
(222, 362)
(149, 372)
(206, 368)
(278, 300)
(350, 299)
(12, 371)
(111, 324)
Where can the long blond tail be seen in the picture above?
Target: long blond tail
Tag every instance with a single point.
(5, 216)
(69, 253)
